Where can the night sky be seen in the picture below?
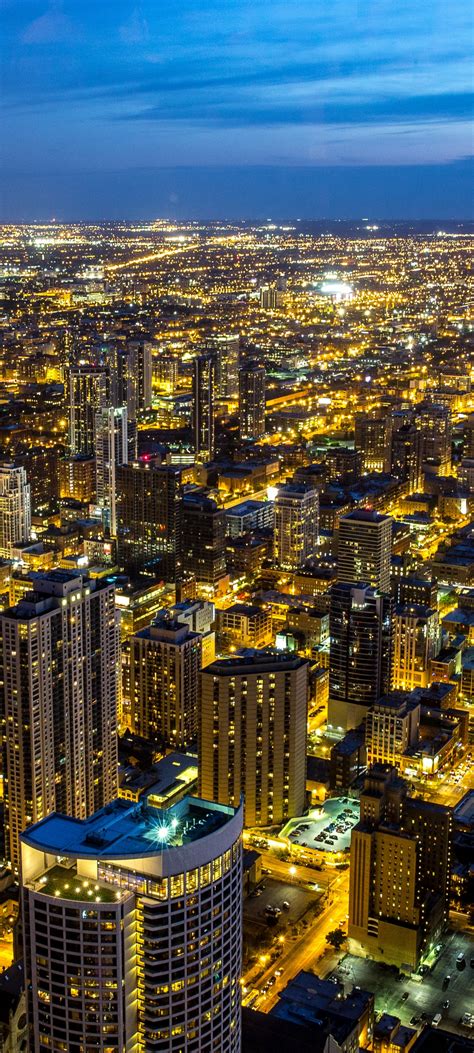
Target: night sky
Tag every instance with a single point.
(236, 108)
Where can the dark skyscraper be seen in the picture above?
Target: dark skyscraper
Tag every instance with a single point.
(204, 539)
(360, 663)
(365, 548)
(89, 392)
(252, 401)
(203, 406)
(148, 509)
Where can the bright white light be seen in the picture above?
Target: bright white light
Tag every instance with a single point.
(272, 492)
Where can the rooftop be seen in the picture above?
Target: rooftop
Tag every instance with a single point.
(124, 829)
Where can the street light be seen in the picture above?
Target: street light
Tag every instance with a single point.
(292, 871)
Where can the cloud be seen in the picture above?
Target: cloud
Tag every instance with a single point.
(50, 28)
(135, 29)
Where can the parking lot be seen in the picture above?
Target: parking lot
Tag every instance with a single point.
(273, 894)
(324, 829)
(423, 999)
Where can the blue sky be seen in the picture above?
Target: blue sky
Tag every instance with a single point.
(316, 107)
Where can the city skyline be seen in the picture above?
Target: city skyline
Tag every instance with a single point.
(239, 111)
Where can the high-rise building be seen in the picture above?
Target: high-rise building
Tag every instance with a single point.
(407, 456)
(148, 508)
(373, 436)
(251, 401)
(296, 512)
(111, 449)
(140, 359)
(399, 873)
(417, 640)
(89, 392)
(365, 548)
(434, 423)
(165, 661)
(133, 929)
(391, 729)
(59, 661)
(77, 477)
(203, 406)
(226, 352)
(252, 738)
(15, 508)
(360, 657)
(203, 538)
(268, 296)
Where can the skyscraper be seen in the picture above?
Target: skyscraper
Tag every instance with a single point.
(15, 508)
(407, 451)
(203, 406)
(373, 436)
(203, 538)
(365, 548)
(89, 392)
(296, 525)
(252, 738)
(59, 660)
(417, 639)
(360, 657)
(148, 509)
(165, 662)
(399, 873)
(111, 446)
(226, 351)
(434, 423)
(251, 401)
(140, 367)
(133, 929)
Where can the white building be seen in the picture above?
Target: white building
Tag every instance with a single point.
(133, 929)
(296, 525)
(15, 509)
(111, 449)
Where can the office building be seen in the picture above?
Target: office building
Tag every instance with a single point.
(203, 538)
(434, 423)
(296, 512)
(251, 401)
(203, 407)
(89, 392)
(133, 929)
(407, 456)
(111, 449)
(360, 656)
(140, 365)
(417, 639)
(399, 872)
(249, 515)
(15, 508)
(408, 589)
(252, 739)
(165, 661)
(373, 437)
(149, 511)
(391, 729)
(59, 663)
(365, 548)
(226, 352)
(268, 296)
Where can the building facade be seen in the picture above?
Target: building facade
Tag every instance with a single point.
(59, 665)
(165, 662)
(133, 942)
(252, 741)
(251, 401)
(296, 512)
(149, 513)
(203, 407)
(365, 548)
(361, 653)
(15, 509)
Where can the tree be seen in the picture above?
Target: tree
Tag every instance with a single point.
(335, 939)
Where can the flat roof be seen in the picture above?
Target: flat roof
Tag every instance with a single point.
(125, 828)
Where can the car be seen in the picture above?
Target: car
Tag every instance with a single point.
(446, 981)
(285, 904)
(472, 963)
(278, 972)
(436, 1020)
(415, 1020)
(272, 981)
(460, 962)
(405, 996)
(446, 1004)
